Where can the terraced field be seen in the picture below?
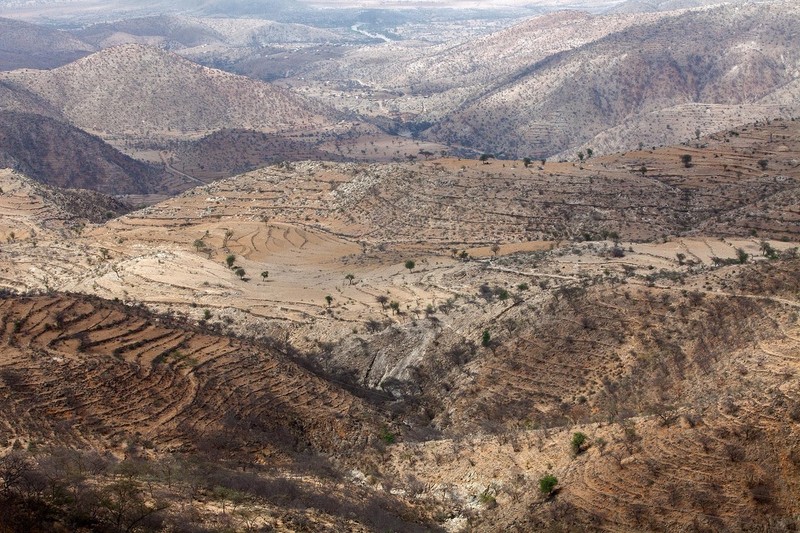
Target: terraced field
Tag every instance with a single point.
(688, 399)
(653, 310)
(90, 373)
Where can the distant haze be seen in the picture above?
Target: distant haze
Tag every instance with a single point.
(467, 4)
(386, 4)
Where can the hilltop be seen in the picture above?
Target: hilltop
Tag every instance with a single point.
(142, 91)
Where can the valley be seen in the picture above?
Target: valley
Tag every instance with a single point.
(378, 268)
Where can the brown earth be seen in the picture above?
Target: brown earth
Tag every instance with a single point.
(653, 311)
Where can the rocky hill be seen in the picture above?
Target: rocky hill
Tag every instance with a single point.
(170, 32)
(61, 155)
(426, 341)
(25, 45)
(727, 55)
(136, 90)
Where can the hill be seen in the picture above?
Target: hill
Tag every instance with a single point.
(30, 211)
(728, 55)
(565, 81)
(57, 154)
(25, 45)
(166, 31)
(136, 90)
(418, 345)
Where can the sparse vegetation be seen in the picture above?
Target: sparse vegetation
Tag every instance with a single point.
(387, 436)
(578, 442)
(486, 338)
(547, 484)
(642, 316)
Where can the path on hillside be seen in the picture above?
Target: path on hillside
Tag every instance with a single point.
(173, 170)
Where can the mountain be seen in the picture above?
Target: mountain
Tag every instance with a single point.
(166, 31)
(649, 6)
(61, 155)
(730, 55)
(25, 45)
(564, 81)
(137, 90)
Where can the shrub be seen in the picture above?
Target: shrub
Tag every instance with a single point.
(487, 499)
(578, 440)
(387, 436)
(547, 484)
(742, 256)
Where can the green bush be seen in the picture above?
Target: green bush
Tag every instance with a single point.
(486, 338)
(387, 436)
(547, 484)
(578, 440)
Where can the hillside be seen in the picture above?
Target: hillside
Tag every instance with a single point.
(561, 82)
(258, 32)
(25, 45)
(229, 152)
(727, 55)
(57, 154)
(170, 32)
(686, 398)
(413, 346)
(139, 91)
(30, 211)
(81, 372)
(18, 99)
(648, 6)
